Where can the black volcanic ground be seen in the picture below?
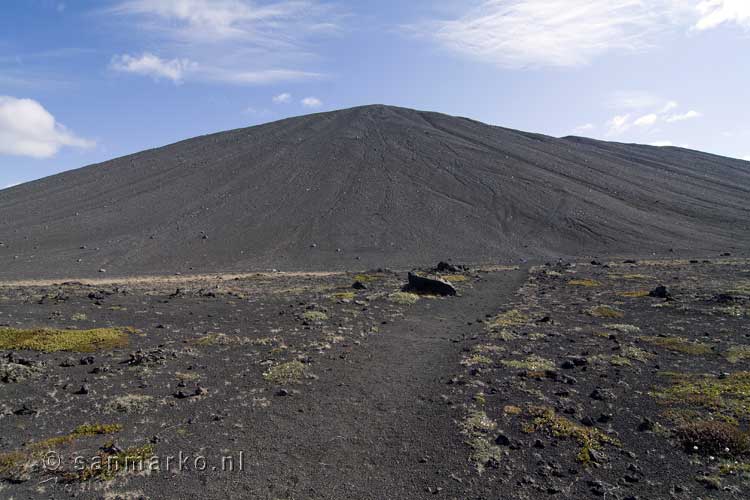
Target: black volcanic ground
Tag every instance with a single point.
(366, 187)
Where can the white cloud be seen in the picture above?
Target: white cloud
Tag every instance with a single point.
(714, 13)
(683, 116)
(646, 120)
(282, 98)
(746, 158)
(533, 33)
(150, 65)
(228, 41)
(311, 102)
(27, 129)
(618, 125)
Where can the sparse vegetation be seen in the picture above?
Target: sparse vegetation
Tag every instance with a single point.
(484, 453)
(678, 344)
(713, 437)
(623, 328)
(455, 278)
(589, 438)
(315, 316)
(14, 464)
(112, 463)
(738, 353)
(532, 363)
(727, 396)
(588, 283)
(604, 311)
(476, 359)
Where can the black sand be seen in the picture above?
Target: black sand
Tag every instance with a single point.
(369, 187)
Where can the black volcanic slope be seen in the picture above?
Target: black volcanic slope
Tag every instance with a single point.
(371, 186)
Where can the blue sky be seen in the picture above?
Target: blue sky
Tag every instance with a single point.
(83, 81)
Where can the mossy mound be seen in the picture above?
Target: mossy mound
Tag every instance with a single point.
(54, 340)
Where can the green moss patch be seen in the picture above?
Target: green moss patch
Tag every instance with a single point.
(532, 363)
(738, 353)
(285, 373)
(678, 344)
(315, 316)
(605, 311)
(54, 340)
(508, 319)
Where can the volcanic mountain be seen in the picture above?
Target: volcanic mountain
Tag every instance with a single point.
(370, 187)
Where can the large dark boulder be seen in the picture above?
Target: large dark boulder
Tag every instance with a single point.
(429, 285)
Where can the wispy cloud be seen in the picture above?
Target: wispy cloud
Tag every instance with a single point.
(27, 129)
(646, 120)
(562, 33)
(618, 124)
(151, 65)
(652, 112)
(690, 115)
(568, 33)
(311, 102)
(227, 41)
(715, 13)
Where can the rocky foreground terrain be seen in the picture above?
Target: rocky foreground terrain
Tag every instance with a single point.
(618, 379)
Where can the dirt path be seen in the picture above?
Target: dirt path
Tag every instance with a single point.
(382, 427)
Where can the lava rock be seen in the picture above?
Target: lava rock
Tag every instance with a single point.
(422, 284)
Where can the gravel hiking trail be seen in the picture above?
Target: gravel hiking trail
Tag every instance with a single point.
(381, 426)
